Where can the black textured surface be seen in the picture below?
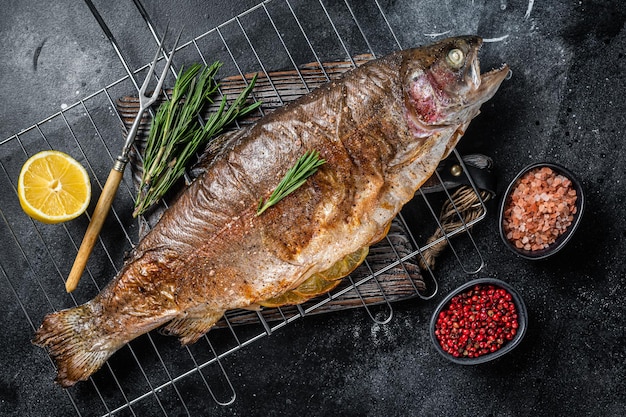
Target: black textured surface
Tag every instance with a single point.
(564, 103)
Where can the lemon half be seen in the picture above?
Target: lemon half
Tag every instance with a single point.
(53, 187)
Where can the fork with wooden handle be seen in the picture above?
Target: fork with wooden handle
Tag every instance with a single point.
(117, 172)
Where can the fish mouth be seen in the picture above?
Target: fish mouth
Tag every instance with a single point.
(484, 86)
(479, 89)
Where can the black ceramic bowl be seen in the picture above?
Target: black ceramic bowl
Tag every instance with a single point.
(522, 320)
(562, 240)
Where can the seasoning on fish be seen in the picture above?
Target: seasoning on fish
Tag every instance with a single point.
(382, 130)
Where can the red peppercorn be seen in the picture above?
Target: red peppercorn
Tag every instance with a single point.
(476, 322)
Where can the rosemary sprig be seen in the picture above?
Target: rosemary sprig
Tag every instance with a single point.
(304, 167)
(177, 133)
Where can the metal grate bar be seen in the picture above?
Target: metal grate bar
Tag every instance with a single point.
(232, 57)
(159, 374)
(307, 39)
(375, 319)
(358, 25)
(391, 31)
(463, 228)
(433, 282)
(259, 61)
(282, 42)
(343, 44)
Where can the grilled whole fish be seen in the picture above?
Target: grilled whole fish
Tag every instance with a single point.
(383, 129)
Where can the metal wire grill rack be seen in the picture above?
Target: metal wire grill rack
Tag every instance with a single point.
(36, 258)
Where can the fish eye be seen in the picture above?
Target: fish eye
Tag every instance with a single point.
(455, 58)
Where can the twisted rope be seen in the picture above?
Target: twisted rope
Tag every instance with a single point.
(463, 207)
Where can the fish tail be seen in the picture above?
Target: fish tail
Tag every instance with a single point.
(75, 343)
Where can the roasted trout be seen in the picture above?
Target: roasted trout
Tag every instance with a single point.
(382, 129)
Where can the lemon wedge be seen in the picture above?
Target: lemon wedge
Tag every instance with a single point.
(53, 187)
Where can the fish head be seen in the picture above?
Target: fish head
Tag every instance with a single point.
(444, 86)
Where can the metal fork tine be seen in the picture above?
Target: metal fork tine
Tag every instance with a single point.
(168, 64)
(144, 86)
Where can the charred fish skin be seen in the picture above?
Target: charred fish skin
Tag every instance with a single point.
(383, 129)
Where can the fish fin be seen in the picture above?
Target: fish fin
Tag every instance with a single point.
(74, 343)
(190, 329)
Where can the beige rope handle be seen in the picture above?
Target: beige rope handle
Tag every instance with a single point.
(464, 202)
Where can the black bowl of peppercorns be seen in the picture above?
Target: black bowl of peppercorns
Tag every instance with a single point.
(479, 321)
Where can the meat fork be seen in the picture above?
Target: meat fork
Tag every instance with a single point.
(117, 172)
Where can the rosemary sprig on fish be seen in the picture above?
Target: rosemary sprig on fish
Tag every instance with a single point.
(382, 130)
(176, 133)
(304, 167)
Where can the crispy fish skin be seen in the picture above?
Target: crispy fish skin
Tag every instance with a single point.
(382, 129)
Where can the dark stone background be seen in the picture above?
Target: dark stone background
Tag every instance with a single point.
(564, 103)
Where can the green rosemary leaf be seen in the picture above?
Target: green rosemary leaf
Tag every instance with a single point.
(295, 177)
(177, 132)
